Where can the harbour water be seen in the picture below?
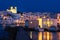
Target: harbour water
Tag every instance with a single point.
(34, 35)
(49, 36)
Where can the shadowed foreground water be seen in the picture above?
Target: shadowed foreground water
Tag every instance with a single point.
(23, 34)
(28, 35)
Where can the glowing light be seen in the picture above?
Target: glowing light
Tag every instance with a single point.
(31, 35)
(40, 22)
(48, 23)
(44, 16)
(48, 36)
(17, 21)
(13, 10)
(45, 35)
(11, 7)
(31, 22)
(40, 36)
(4, 17)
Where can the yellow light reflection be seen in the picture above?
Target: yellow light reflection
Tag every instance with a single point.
(45, 35)
(30, 34)
(40, 22)
(48, 36)
(51, 36)
(40, 36)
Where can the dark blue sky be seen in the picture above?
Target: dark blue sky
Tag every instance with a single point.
(32, 5)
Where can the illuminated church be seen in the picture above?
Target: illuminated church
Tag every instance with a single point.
(12, 9)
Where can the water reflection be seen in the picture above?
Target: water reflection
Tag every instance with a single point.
(49, 36)
(40, 36)
(58, 36)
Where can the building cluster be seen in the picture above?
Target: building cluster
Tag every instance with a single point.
(42, 20)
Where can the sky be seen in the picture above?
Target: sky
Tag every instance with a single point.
(31, 5)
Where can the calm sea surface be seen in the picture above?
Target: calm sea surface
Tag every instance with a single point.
(49, 36)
